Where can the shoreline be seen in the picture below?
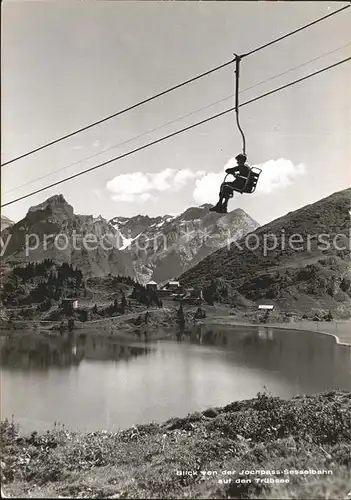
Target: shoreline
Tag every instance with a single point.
(340, 330)
(303, 325)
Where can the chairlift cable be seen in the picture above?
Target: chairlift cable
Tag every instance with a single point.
(71, 134)
(173, 134)
(279, 39)
(143, 134)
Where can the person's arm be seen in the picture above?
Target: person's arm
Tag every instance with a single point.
(243, 171)
(233, 170)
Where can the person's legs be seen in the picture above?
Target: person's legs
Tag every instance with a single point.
(239, 183)
(225, 193)
(227, 190)
(224, 206)
(217, 207)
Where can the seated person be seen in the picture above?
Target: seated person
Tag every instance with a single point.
(226, 191)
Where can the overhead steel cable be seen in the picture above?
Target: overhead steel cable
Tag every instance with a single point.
(118, 113)
(161, 139)
(279, 39)
(143, 134)
(149, 99)
(238, 59)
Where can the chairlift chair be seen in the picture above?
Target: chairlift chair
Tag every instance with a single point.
(249, 183)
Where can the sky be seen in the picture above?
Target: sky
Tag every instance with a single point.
(66, 64)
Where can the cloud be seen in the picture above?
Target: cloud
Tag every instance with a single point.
(207, 188)
(162, 181)
(276, 174)
(134, 183)
(182, 177)
(143, 187)
(147, 197)
(138, 198)
(279, 174)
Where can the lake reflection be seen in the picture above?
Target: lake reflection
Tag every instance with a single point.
(40, 353)
(92, 383)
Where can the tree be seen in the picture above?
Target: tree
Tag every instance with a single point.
(328, 316)
(62, 327)
(181, 318)
(83, 315)
(209, 293)
(28, 313)
(138, 320)
(46, 305)
(200, 313)
(123, 302)
(140, 294)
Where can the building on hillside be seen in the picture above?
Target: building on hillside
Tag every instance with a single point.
(266, 307)
(173, 287)
(152, 285)
(264, 311)
(194, 293)
(69, 305)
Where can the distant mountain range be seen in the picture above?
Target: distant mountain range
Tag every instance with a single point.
(158, 248)
(163, 247)
(304, 264)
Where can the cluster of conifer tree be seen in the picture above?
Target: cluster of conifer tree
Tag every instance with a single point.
(48, 281)
(145, 295)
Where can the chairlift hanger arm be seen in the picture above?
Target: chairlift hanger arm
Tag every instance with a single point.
(237, 61)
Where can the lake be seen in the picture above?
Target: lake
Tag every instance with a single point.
(91, 383)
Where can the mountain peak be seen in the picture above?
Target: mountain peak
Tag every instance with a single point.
(54, 203)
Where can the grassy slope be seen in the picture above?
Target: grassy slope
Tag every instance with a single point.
(301, 278)
(261, 434)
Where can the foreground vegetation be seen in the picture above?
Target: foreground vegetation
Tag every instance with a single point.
(263, 434)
